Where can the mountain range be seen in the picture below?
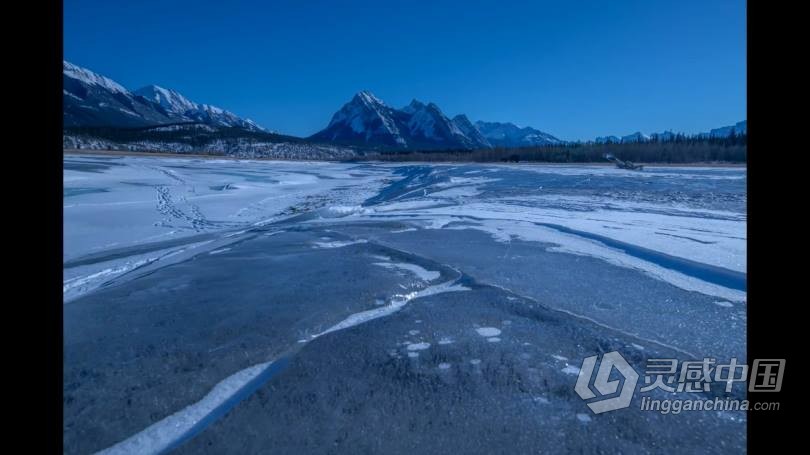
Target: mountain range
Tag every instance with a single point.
(92, 100)
(738, 129)
(367, 121)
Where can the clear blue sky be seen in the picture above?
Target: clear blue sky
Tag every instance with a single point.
(576, 69)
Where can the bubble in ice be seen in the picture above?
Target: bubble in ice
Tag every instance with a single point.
(418, 346)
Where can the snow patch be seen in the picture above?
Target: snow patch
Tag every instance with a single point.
(338, 243)
(421, 273)
(160, 436)
(488, 331)
(571, 369)
(418, 346)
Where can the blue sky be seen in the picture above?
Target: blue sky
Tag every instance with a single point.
(575, 69)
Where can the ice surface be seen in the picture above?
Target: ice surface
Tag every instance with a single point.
(161, 435)
(123, 202)
(395, 305)
(684, 227)
(420, 272)
(573, 244)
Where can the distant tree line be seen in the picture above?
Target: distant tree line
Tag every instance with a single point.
(677, 148)
(193, 134)
(680, 149)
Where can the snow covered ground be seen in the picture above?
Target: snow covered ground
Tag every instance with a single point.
(196, 289)
(686, 226)
(119, 203)
(114, 205)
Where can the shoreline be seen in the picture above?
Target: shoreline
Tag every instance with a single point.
(79, 152)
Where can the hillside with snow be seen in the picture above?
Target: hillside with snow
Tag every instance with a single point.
(510, 135)
(182, 108)
(93, 100)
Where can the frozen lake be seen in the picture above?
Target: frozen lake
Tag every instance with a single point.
(254, 306)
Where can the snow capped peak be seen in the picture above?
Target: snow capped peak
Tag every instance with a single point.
(663, 136)
(96, 100)
(180, 106)
(725, 131)
(422, 122)
(638, 136)
(465, 126)
(213, 110)
(367, 97)
(417, 105)
(510, 135)
(414, 106)
(468, 129)
(433, 107)
(91, 78)
(171, 100)
(367, 120)
(740, 128)
(429, 122)
(174, 102)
